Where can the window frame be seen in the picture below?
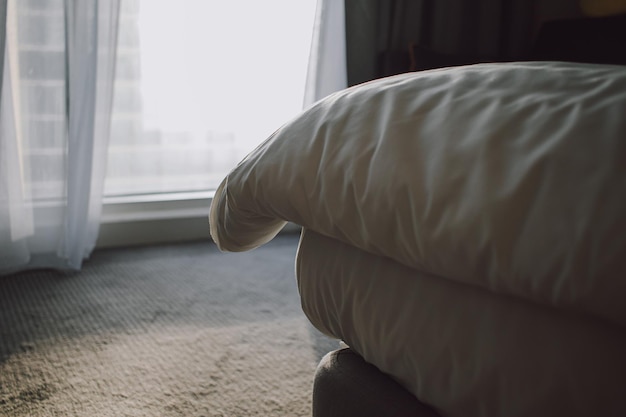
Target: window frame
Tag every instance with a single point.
(158, 219)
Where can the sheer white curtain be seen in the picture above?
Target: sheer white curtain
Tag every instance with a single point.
(327, 71)
(57, 77)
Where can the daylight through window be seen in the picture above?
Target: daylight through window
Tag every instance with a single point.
(199, 83)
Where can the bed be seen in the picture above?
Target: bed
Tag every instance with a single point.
(463, 231)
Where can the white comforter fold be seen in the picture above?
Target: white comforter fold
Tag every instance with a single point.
(511, 177)
(462, 350)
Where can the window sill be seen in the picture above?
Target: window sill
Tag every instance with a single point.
(156, 207)
(157, 219)
(154, 219)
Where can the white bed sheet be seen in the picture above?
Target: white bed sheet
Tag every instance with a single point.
(466, 351)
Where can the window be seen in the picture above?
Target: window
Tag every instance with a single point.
(199, 84)
(39, 101)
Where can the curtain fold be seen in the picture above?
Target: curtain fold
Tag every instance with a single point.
(3, 26)
(57, 85)
(327, 61)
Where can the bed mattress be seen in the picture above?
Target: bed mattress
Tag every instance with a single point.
(463, 350)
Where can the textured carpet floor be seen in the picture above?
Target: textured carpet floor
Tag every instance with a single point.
(179, 330)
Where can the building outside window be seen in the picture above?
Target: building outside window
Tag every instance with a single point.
(199, 83)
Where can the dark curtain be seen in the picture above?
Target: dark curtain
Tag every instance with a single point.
(386, 37)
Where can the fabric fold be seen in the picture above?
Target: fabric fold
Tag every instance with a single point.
(505, 176)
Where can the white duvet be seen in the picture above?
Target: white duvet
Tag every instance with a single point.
(462, 350)
(510, 177)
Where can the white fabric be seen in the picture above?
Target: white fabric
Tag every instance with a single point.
(327, 72)
(463, 350)
(55, 110)
(510, 177)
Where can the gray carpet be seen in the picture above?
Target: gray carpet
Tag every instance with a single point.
(180, 330)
